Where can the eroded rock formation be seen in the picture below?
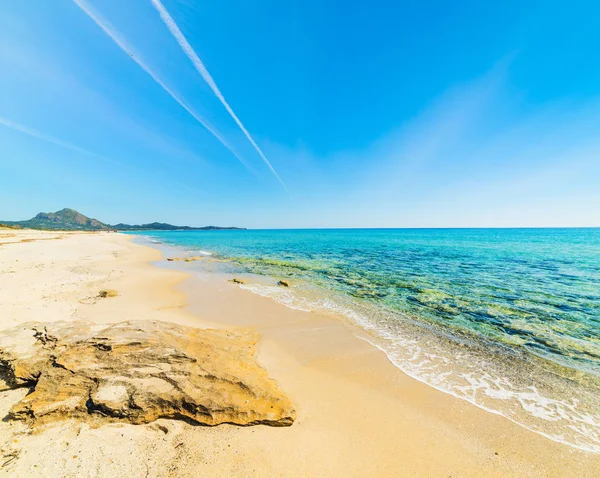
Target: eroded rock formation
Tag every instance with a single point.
(138, 371)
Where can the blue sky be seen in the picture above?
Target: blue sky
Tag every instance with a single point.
(362, 114)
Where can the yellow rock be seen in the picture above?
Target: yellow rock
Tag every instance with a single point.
(137, 372)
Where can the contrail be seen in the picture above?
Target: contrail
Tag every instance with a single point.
(115, 36)
(191, 54)
(51, 139)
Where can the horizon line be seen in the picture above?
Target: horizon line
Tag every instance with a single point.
(386, 228)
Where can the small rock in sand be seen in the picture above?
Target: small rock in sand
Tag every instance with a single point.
(283, 283)
(235, 280)
(108, 293)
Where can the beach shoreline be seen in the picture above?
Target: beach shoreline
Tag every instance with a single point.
(358, 415)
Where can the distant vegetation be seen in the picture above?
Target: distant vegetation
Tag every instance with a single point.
(71, 220)
(161, 226)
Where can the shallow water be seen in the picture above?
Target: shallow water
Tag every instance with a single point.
(507, 319)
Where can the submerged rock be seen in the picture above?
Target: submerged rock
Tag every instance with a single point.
(186, 259)
(283, 283)
(137, 372)
(194, 258)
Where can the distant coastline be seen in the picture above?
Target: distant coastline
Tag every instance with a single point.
(71, 220)
(157, 226)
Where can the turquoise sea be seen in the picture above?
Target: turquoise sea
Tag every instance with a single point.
(508, 319)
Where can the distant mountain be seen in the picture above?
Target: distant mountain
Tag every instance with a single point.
(161, 226)
(71, 220)
(65, 219)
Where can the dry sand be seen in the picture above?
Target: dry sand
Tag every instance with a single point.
(358, 415)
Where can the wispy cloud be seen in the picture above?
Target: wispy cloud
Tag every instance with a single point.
(51, 139)
(116, 37)
(191, 54)
(65, 144)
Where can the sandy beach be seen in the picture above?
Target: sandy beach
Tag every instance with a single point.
(357, 414)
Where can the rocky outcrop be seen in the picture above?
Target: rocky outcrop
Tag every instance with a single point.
(137, 372)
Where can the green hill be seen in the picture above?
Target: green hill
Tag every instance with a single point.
(65, 219)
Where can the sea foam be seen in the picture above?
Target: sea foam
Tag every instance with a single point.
(461, 368)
